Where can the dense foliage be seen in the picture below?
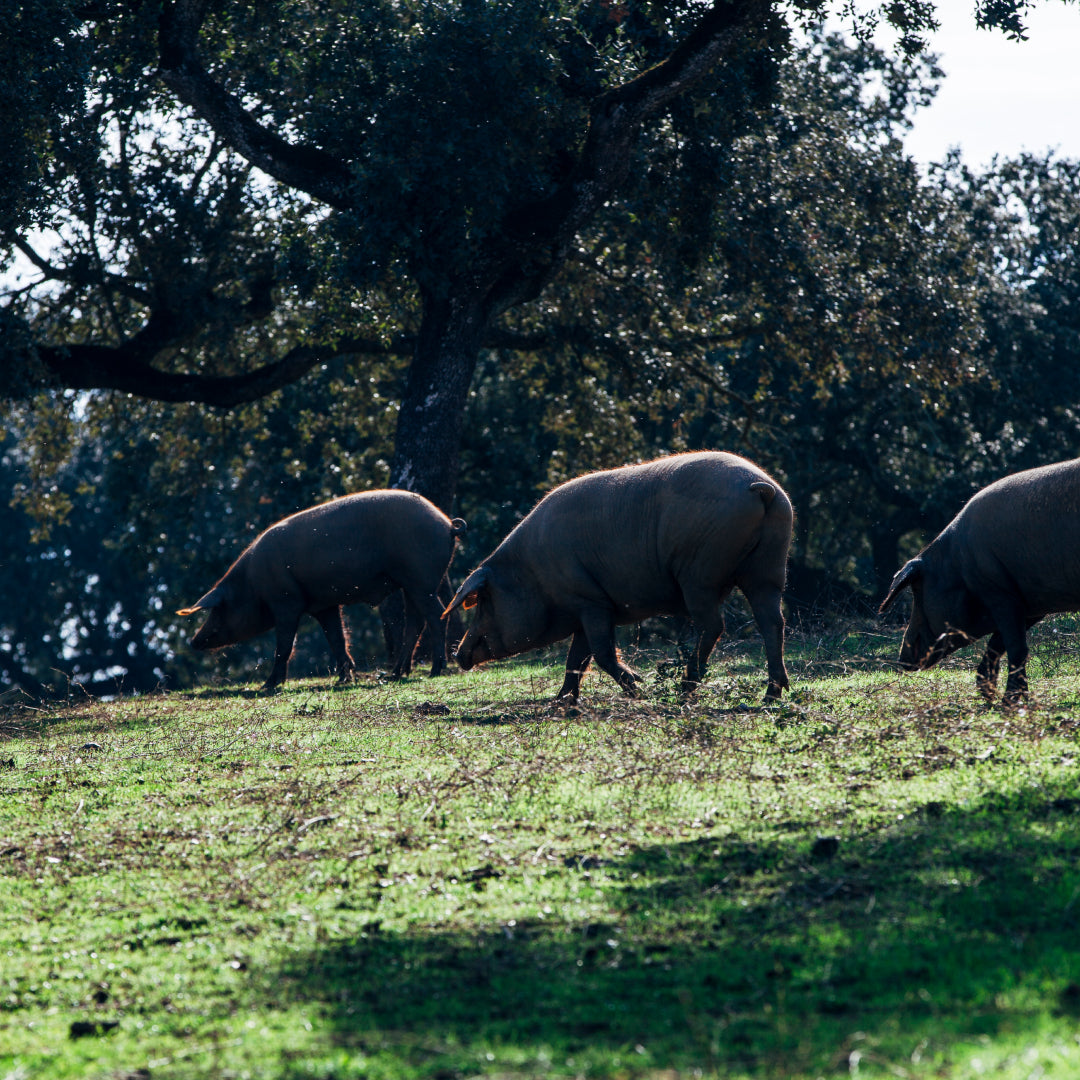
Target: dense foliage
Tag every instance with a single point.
(414, 183)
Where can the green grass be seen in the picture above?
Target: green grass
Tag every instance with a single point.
(451, 878)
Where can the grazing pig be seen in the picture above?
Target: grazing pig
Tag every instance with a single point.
(359, 548)
(669, 537)
(1010, 557)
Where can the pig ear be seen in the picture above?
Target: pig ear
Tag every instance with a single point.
(908, 574)
(466, 596)
(212, 599)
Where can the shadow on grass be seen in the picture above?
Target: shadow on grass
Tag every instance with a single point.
(313, 685)
(798, 956)
(503, 719)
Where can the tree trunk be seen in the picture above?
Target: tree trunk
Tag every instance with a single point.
(427, 445)
(885, 536)
(885, 552)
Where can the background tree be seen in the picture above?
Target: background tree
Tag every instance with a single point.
(829, 320)
(150, 504)
(440, 182)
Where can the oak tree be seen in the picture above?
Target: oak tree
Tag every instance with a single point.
(213, 199)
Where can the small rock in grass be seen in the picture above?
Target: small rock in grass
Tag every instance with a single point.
(825, 847)
(432, 708)
(81, 1028)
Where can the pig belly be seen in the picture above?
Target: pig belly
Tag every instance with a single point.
(330, 592)
(656, 598)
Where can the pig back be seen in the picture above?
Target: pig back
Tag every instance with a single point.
(1021, 534)
(356, 548)
(640, 535)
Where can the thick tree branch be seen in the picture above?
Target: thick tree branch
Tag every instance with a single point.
(98, 367)
(540, 233)
(618, 114)
(305, 168)
(545, 230)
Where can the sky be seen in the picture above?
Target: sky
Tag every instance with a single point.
(1001, 96)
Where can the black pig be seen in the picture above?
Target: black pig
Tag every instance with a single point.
(668, 537)
(1009, 558)
(359, 548)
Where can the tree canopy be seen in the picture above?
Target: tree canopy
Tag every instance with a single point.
(230, 196)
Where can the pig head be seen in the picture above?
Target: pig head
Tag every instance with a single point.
(945, 614)
(234, 613)
(509, 617)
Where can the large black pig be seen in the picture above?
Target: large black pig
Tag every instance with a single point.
(667, 537)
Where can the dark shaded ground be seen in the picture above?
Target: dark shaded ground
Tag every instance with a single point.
(778, 959)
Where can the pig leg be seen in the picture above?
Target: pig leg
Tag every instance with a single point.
(764, 602)
(708, 618)
(987, 676)
(1012, 632)
(431, 611)
(285, 627)
(334, 628)
(598, 626)
(410, 635)
(577, 664)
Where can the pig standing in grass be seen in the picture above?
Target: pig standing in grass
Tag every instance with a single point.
(1010, 557)
(359, 548)
(669, 537)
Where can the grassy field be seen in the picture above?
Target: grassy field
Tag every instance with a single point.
(879, 877)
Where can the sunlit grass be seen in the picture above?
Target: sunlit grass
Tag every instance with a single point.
(879, 876)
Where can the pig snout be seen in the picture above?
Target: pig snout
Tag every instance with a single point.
(472, 650)
(919, 653)
(909, 657)
(211, 635)
(924, 651)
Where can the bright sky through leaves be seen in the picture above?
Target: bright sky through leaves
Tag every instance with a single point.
(1001, 96)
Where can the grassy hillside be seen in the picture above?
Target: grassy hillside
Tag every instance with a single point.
(451, 878)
